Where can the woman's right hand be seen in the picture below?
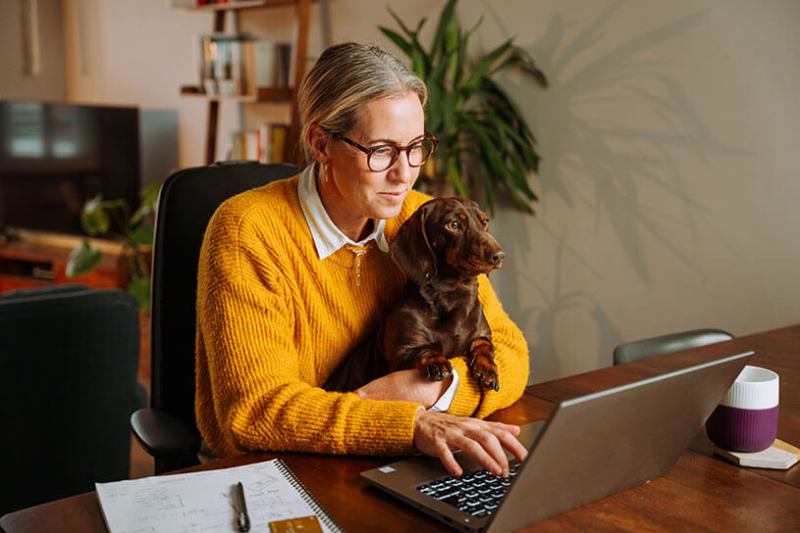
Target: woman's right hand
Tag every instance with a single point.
(485, 442)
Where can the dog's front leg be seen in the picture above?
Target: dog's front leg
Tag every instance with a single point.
(427, 359)
(481, 363)
(432, 365)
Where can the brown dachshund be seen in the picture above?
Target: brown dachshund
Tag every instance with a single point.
(441, 249)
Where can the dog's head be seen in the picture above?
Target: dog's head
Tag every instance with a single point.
(446, 237)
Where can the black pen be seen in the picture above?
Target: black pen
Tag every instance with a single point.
(242, 519)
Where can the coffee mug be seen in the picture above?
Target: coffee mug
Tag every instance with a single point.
(747, 418)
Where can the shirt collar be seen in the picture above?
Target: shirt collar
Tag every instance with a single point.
(328, 238)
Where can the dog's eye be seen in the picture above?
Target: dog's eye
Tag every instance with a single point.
(454, 225)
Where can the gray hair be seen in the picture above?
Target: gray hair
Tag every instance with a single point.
(345, 77)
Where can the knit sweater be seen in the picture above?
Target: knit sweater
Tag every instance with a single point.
(273, 321)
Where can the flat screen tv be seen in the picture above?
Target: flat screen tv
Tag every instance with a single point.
(54, 156)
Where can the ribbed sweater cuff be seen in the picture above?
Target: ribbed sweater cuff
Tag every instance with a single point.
(468, 396)
(382, 428)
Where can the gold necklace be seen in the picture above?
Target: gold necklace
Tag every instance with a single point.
(359, 252)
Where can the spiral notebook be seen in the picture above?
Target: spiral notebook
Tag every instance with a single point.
(202, 501)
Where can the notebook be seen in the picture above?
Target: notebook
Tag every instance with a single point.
(590, 447)
(202, 501)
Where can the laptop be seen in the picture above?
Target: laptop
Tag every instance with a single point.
(590, 447)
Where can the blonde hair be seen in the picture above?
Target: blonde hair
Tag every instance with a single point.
(345, 77)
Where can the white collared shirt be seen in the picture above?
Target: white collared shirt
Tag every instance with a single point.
(329, 239)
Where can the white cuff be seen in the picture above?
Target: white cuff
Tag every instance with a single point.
(444, 401)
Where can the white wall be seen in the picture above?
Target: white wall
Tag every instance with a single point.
(15, 83)
(669, 133)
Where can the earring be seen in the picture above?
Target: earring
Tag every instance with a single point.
(323, 172)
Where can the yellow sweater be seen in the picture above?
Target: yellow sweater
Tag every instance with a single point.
(273, 321)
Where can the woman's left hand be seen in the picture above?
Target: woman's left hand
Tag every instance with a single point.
(404, 385)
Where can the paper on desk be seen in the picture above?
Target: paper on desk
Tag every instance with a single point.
(201, 501)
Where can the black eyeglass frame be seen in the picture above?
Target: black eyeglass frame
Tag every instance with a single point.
(369, 150)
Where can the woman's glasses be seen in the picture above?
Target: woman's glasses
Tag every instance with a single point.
(383, 156)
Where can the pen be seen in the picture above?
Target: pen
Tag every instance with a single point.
(242, 519)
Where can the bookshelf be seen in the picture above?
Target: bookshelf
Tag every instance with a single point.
(283, 95)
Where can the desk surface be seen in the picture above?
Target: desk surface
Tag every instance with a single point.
(701, 492)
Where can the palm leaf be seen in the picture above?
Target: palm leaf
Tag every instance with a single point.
(402, 24)
(483, 66)
(446, 19)
(473, 117)
(397, 39)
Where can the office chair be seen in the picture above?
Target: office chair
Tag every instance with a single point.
(674, 342)
(168, 430)
(69, 356)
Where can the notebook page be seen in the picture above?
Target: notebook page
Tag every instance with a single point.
(201, 501)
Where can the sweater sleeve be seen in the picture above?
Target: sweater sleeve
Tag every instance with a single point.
(511, 357)
(259, 399)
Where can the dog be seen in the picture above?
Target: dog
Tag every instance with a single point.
(441, 249)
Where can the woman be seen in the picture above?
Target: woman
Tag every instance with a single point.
(294, 274)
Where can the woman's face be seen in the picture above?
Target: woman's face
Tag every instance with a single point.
(355, 191)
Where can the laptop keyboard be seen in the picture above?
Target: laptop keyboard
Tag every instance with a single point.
(477, 494)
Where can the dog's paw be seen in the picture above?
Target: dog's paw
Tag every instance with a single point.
(485, 373)
(435, 368)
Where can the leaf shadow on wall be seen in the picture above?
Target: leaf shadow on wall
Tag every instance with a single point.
(607, 167)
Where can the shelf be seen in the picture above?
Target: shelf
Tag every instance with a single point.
(281, 95)
(245, 4)
(263, 94)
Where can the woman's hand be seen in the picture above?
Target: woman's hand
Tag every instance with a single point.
(438, 434)
(404, 385)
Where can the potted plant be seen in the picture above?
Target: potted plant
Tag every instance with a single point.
(113, 219)
(485, 144)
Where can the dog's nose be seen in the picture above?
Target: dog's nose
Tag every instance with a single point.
(497, 257)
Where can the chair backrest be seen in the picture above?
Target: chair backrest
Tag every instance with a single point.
(68, 364)
(674, 342)
(186, 202)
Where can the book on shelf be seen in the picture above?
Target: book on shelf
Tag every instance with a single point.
(239, 64)
(266, 144)
(223, 68)
(270, 63)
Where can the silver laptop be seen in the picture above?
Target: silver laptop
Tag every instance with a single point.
(590, 447)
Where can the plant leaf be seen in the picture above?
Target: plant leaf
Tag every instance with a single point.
(94, 217)
(454, 174)
(141, 235)
(140, 288)
(521, 58)
(484, 65)
(149, 201)
(446, 19)
(397, 39)
(400, 22)
(82, 259)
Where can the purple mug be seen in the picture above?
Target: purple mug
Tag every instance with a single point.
(747, 418)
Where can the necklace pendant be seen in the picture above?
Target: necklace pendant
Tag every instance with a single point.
(359, 252)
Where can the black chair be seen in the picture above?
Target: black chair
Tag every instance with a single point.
(167, 430)
(68, 362)
(674, 342)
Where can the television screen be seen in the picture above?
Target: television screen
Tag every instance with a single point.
(54, 156)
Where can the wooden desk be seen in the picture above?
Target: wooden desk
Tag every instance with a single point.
(701, 492)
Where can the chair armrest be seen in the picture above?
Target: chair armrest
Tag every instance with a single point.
(162, 434)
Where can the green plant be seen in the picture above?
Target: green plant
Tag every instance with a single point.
(113, 219)
(483, 137)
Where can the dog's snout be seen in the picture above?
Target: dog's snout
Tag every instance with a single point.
(497, 257)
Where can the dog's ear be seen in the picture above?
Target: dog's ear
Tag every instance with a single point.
(411, 251)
